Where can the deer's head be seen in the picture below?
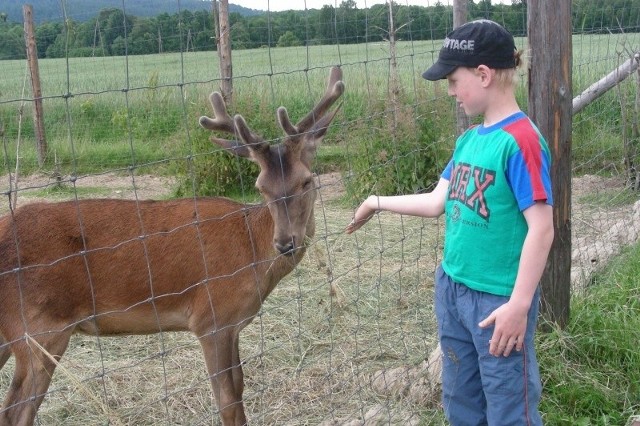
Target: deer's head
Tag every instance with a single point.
(286, 181)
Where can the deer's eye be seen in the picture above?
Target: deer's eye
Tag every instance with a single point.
(308, 184)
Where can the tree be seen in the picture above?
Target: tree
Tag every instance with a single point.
(347, 18)
(57, 49)
(46, 34)
(485, 8)
(118, 47)
(240, 37)
(202, 30)
(348, 5)
(112, 23)
(288, 21)
(325, 29)
(143, 37)
(288, 39)
(167, 33)
(11, 41)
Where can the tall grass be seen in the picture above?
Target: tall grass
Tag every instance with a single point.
(591, 370)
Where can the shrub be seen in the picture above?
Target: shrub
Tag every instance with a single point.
(408, 162)
(211, 171)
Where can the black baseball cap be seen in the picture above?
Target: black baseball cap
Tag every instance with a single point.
(481, 42)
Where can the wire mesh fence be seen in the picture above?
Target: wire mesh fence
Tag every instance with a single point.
(347, 336)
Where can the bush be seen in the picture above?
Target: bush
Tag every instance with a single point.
(211, 171)
(408, 162)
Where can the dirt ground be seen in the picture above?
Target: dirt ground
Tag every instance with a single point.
(41, 187)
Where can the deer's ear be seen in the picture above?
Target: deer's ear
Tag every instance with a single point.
(233, 147)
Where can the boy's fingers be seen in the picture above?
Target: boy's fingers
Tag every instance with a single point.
(487, 321)
(353, 226)
(519, 343)
(511, 345)
(503, 346)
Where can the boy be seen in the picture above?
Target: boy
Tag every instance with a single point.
(496, 196)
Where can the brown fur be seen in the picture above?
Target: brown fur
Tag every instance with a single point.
(115, 267)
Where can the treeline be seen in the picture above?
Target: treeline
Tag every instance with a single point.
(112, 32)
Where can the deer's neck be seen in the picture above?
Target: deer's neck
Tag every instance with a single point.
(275, 266)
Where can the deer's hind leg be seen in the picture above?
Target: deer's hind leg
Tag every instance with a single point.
(36, 360)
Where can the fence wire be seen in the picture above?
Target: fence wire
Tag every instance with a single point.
(347, 337)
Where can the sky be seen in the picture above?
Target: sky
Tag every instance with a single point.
(280, 5)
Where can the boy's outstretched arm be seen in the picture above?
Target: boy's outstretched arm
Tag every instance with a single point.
(430, 204)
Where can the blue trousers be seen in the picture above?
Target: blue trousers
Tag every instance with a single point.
(477, 387)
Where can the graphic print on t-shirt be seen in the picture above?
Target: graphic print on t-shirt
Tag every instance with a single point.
(473, 196)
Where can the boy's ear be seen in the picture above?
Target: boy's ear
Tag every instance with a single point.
(486, 74)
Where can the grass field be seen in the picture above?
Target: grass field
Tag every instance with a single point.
(104, 113)
(155, 120)
(357, 305)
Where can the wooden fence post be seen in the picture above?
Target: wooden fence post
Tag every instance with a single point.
(550, 107)
(32, 59)
(460, 16)
(223, 43)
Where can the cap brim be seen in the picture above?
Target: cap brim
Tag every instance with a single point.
(438, 71)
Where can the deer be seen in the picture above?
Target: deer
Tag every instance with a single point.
(204, 265)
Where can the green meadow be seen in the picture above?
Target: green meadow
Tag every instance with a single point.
(107, 113)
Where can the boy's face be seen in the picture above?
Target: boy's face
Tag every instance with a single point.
(467, 86)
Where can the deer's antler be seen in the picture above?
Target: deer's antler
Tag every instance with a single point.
(222, 121)
(335, 89)
(316, 122)
(237, 126)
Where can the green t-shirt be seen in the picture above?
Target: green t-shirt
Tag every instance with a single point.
(495, 174)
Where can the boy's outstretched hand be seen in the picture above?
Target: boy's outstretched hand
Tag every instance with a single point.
(362, 215)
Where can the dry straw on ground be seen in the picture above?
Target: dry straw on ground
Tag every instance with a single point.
(343, 340)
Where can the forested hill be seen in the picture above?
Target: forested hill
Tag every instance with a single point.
(84, 10)
(103, 28)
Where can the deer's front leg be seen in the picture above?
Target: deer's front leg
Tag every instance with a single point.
(31, 377)
(220, 350)
(5, 352)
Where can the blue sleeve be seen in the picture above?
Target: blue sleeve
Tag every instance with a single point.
(446, 174)
(527, 183)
